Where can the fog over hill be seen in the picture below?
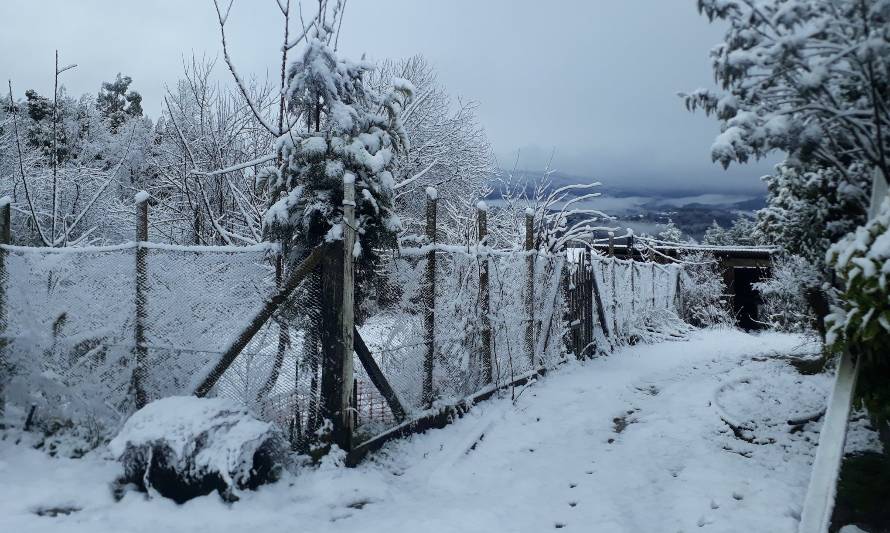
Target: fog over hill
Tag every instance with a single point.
(647, 208)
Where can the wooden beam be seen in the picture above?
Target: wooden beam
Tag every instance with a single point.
(256, 323)
(598, 300)
(377, 378)
(435, 419)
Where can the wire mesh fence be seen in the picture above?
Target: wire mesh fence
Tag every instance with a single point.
(72, 317)
(393, 324)
(86, 327)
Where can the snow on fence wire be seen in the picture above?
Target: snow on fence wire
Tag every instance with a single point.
(393, 323)
(640, 299)
(639, 305)
(72, 316)
(92, 333)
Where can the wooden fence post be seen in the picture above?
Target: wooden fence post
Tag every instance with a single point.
(141, 350)
(337, 327)
(530, 285)
(598, 301)
(678, 295)
(614, 298)
(5, 238)
(347, 315)
(587, 301)
(652, 265)
(429, 318)
(484, 294)
(611, 244)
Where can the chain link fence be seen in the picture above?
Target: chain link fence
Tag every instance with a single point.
(79, 319)
(71, 342)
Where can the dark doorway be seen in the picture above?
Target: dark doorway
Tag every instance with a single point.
(746, 300)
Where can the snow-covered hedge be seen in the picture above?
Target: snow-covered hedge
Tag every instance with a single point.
(862, 261)
(182, 447)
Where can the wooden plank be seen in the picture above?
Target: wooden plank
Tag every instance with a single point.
(600, 311)
(260, 318)
(377, 378)
(819, 503)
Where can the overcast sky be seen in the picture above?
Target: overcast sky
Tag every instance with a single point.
(596, 80)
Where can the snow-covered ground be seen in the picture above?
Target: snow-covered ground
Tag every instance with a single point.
(633, 442)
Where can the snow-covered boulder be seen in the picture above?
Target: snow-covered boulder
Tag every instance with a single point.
(183, 447)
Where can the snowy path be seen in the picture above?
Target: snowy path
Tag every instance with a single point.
(553, 461)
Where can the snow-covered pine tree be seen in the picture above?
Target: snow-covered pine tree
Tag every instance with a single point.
(671, 233)
(715, 235)
(117, 103)
(742, 232)
(808, 210)
(350, 131)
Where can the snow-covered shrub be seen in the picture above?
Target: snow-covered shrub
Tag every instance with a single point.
(657, 325)
(182, 447)
(785, 306)
(703, 292)
(862, 322)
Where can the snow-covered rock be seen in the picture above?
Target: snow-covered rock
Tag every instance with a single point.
(182, 447)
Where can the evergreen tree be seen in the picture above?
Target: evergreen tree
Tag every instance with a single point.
(715, 235)
(351, 132)
(671, 233)
(39, 129)
(117, 103)
(808, 210)
(742, 232)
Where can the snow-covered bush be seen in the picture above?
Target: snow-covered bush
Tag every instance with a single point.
(862, 322)
(183, 446)
(785, 306)
(703, 292)
(657, 325)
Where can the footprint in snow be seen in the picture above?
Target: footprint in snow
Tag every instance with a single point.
(703, 521)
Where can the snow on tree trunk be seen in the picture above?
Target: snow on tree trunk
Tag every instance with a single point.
(183, 447)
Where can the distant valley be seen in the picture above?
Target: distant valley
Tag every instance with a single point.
(647, 211)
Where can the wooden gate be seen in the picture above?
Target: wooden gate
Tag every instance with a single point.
(582, 301)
